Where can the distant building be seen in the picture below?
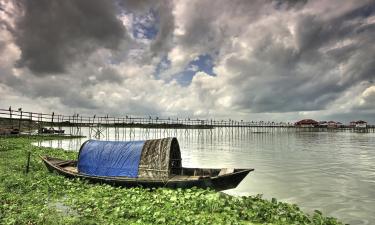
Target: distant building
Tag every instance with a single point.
(358, 124)
(323, 124)
(306, 123)
(332, 124)
(361, 124)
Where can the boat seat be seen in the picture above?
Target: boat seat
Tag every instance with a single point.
(71, 169)
(226, 171)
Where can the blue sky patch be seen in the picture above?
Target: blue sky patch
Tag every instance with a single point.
(201, 63)
(164, 64)
(145, 26)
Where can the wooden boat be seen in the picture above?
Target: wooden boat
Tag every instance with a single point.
(9, 131)
(50, 131)
(218, 179)
(167, 172)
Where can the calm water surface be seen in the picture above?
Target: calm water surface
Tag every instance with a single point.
(330, 171)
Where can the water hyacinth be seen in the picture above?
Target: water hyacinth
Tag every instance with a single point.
(40, 197)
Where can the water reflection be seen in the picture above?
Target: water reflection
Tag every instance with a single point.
(333, 172)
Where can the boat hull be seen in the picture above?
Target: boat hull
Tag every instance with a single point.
(219, 182)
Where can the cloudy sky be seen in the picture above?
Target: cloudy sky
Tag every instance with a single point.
(251, 60)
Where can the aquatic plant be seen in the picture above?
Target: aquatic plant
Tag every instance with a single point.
(40, 197)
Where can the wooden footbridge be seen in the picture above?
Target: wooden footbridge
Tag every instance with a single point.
(98, 125)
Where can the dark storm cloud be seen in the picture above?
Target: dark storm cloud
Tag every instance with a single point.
(137, 6)
(163, 41)
(44, 88)
(297, 91)
(110, 75)
(53, 34)
(287, 95)
(288, 4)
(314, 32)
(268, 56)
(329, 53)
(2, 46)
(77, 100)
(166, 24)
(206, 32)
(202, 32)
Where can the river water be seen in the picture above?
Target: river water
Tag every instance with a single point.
(333, 172)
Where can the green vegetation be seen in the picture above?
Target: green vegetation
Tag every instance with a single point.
(40, 197)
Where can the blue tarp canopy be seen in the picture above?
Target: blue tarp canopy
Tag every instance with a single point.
(110, 158)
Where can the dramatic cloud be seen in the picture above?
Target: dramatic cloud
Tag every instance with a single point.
(251, 60)
(367, 99)
(53, 34)
(279, 59)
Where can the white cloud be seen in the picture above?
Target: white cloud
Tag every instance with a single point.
(367, 99)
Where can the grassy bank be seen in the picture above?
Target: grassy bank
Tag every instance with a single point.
(40, 197)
